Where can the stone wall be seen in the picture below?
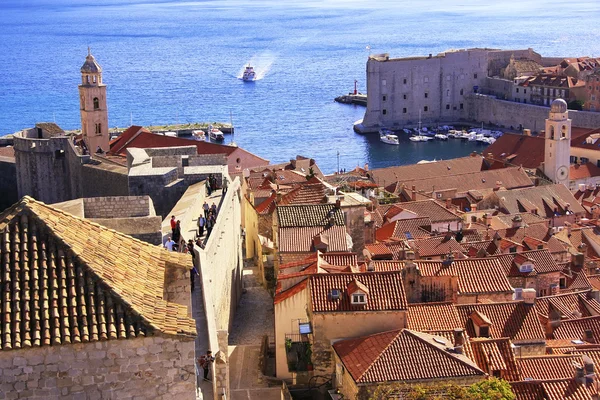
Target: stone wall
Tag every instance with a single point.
(102, 180)
(144, 368)
(503, 113)
(355, 226)
(207, 159)
(8, 183)
(117, 207)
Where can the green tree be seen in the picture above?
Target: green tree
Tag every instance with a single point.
(575, 105)
(311, 174)
(491, 389)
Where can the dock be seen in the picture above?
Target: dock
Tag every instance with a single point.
(351, 98)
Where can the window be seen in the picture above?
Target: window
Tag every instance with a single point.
(447, 92)
(447, 106)
(525, 101)
(484, 331)
(517, 90)
(426, 95)
(513, 249)
(584, 160)
(383, 82)
(384, 111)
(497, 373)
(384, 98)
(598, 163)
(552, 132)
(593, 97)
(98, 129)
(543, 292)
(461, 106)
(474, 76)
(524, 91)
(462, 92)
(404, 81)
(540, 246)
(426, 79)
(563, 131)
(425, 108)
(96, 103)
(404, 96)
(404, 112)
(358, 298)
(573, 159)
(563, 283)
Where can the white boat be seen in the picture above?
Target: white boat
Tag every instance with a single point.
(171, 134)
(249, 74)
(216, 135)
(199, 134)
(420, 138)
(389, 138)
(441, 136)
(471, 136)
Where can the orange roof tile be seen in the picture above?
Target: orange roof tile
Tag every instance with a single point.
(495, 355)
(432, 317)
(548, 366)
(394, 356)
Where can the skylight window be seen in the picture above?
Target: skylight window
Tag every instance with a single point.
(359, 298)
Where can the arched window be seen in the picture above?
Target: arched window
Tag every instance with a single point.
(564, 131)
(552, 132)
(98, 129)
(88, 79)
(96, 103)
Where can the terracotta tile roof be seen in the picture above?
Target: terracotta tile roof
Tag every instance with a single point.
(286, 294)
(475, 275)
(386, 292)
(546, 199)
(576, 281)
(575, 328)
(495, 355)
(309, 215)
(436, 246)
(379, 251)
(527, 218)
(411, 228)
(341, 258)
(83, 280)
(508, 178)
(568, 305)
(549, 366)
(399, 355)
(304, 239)
(550, 390)
(432, 317)
(581, 171)
(436, 212)
(52, 128)
(527, 151)
(480, 249)
(541, 259)
(552, 80)
(514, 320)
(385, 176)
(305, 194)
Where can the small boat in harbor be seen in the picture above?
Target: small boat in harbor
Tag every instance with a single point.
(441, 136)
(420, 138)
(199, 134)
(389, 137)
(216, 135)
(249, 74)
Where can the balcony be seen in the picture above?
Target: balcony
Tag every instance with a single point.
(298, 350)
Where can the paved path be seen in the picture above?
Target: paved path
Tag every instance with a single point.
(253, 319)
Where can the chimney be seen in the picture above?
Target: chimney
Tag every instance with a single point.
(278, 196)
(526, 132)
(448, 203)
(528, 296)
(590, 374)
(473, 207)
(579, 374)
(459, 341)
(517, 221)
(568, 226)
(498, 185)
(588, 336)
(579, 260)
(487, 219)
(338, 204)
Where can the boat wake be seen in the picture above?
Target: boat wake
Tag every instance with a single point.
(261, 63)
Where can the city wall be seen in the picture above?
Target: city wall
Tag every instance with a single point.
(151, 368)
(489, 109)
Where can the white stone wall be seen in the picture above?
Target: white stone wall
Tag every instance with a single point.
(143, 368)
(118, 207)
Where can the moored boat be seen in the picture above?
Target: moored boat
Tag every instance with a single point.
(216, 135)
(249, 74)
(441, 136)
(389, 138)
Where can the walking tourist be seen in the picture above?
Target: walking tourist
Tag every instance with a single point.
(169, 244)
(173, 225)
(205, 361)
(205, 208)
(201, 225)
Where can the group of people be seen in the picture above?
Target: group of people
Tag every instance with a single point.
(211, 184)
(207, 220)
(172, 243)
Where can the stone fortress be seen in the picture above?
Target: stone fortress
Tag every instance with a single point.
(469, 85)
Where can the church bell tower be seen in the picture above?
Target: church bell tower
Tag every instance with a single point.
(557, 146)
(92, 104)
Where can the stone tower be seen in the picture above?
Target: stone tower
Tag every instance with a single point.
(92, 103)
(557, 146)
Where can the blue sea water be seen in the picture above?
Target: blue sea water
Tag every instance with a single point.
(175, 61)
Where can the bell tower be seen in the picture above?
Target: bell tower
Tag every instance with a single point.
(92, 105)
(557, 146)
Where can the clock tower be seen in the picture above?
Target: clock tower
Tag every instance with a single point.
(557, 146)
(92, 106)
